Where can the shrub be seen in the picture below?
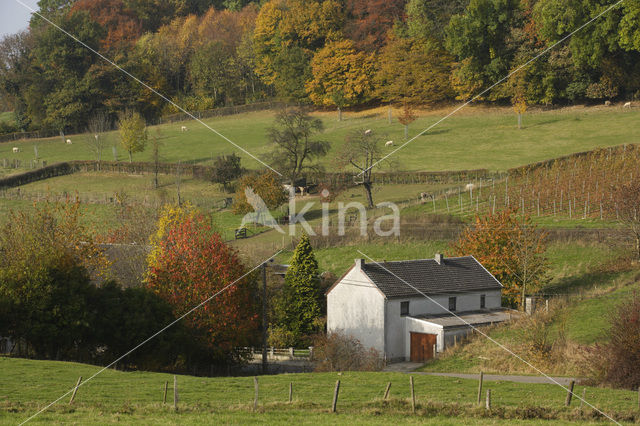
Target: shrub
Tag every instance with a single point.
(337, 352)
(617, 362)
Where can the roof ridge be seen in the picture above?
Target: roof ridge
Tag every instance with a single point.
(416, 260)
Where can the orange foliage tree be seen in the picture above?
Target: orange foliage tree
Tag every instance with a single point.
(122, 26)
(511, 248)
(191, 263)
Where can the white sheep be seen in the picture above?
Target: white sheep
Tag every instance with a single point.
(607, 103)
(469, 187)
(184, 129)
(367, 132)
(69, 142)
(627, 105)
(389, 143)
(16, 150)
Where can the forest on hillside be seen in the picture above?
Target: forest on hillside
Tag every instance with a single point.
(204, 54)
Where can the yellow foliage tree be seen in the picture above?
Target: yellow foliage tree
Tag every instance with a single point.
(414, 71)
(342, 76)
(171, 215)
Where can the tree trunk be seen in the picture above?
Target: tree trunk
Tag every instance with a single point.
(130, 157)
(339, 114)
(367, 188)
(389, 114)
(519, 121)
(406, 131)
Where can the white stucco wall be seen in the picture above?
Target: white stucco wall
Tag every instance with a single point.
(356, 307)
(398, 328)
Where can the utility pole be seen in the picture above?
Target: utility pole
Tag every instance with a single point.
(264, 318)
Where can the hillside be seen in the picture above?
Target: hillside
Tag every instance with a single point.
(478, 137)
(136, 397)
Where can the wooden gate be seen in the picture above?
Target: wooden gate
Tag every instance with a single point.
(422, 346)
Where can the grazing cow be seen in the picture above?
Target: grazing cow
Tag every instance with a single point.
(69, 142)
(184, 129)
(389, 143)
(16, 149)
(607, 103)
(627, 105)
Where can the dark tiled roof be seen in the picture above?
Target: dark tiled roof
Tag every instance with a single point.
(454, 275)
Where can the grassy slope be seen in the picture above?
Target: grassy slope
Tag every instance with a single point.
(584, 320)
(135, 397)
(477, 138)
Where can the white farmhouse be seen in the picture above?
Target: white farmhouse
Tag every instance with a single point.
(408, 309)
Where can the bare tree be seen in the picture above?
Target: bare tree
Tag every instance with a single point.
(295, 147)
(155, 153)
(625, 204)
(362, 150)
(529, 264)
(97, 127)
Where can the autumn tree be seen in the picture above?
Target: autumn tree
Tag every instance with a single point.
(413, 70)
(133, 132)
(47, 261)
(286, 36)
(369, 21)
(407, 117)
(188, 264)
(511, 248)
(363, 151)
(341, 76)
(267, 186)
(120, 22)
(301, 303)
(296, 147)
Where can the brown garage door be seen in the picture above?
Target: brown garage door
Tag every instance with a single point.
(422, 346)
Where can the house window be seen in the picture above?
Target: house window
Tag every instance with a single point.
(452, 304)
(404, 308)
(483, 303)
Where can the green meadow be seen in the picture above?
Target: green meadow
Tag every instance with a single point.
(476, 137)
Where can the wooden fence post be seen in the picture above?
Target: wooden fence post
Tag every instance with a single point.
(290, 392)
(175, 393)
(584, 396)
(487, 403)
(567, 402)
(255, 394)
(335, 397)
(386, 391)
(164, 396)
(75, 390)
(413, 395)
(480, 387)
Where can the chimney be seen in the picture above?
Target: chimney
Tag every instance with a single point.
(359, 263)
(439, 258)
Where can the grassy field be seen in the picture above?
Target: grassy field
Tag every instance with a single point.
(478, 137)
(135, 397)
